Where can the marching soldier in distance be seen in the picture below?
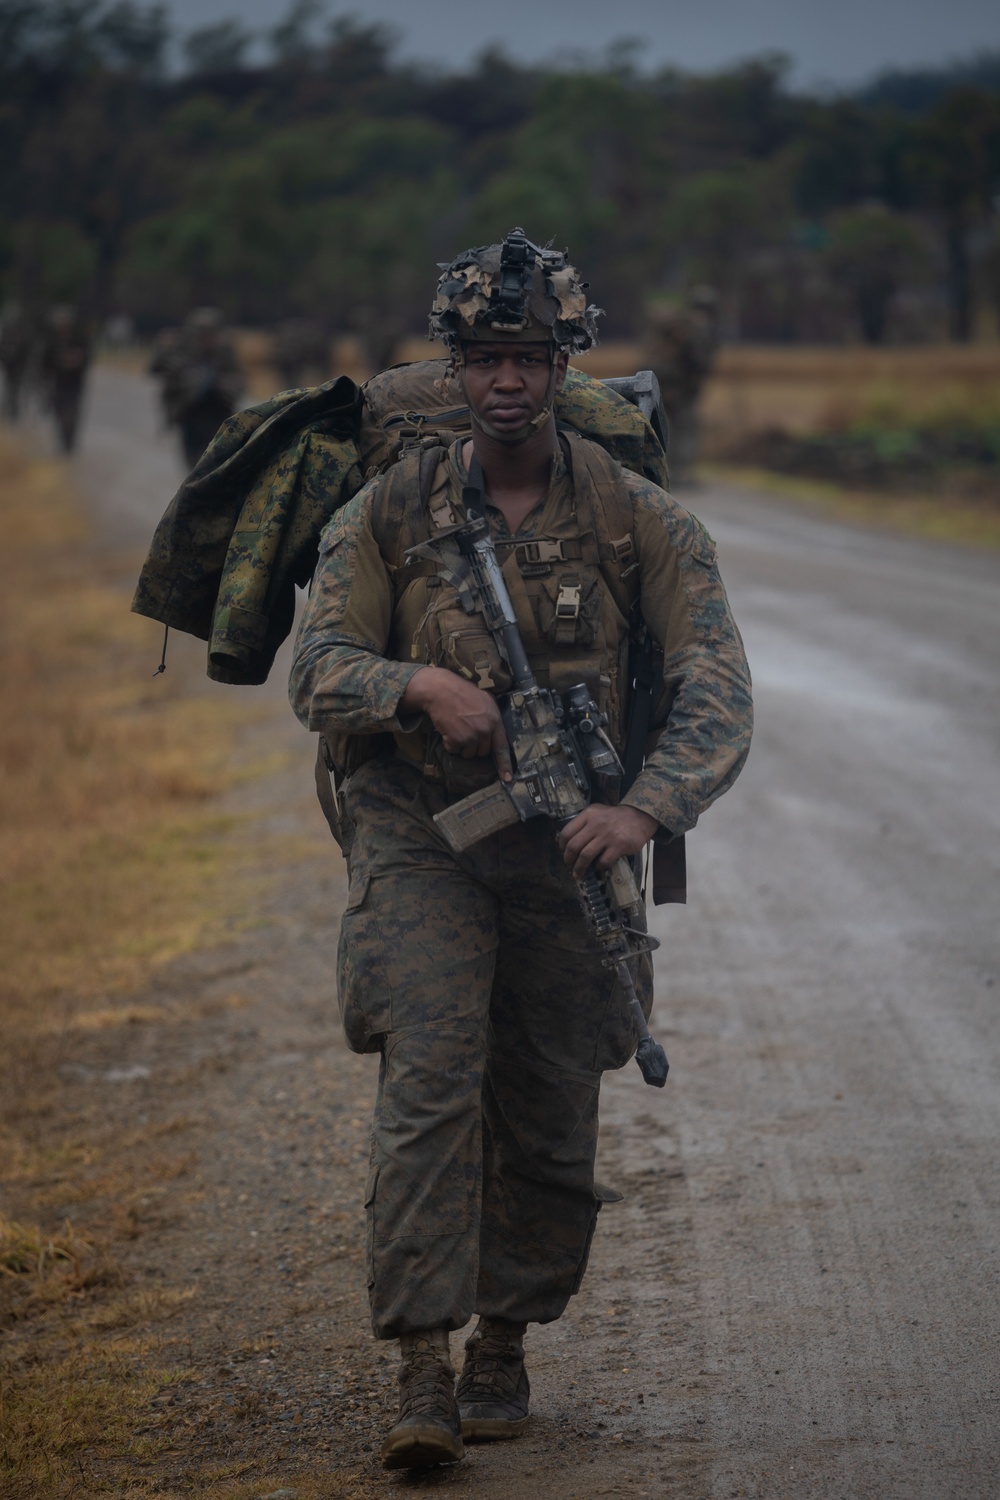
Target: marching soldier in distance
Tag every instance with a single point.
(201, 380)
(300, 352)
(15, 356)
(679, 348)
(65, 358)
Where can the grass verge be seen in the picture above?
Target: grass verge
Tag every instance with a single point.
(114, 859)
(945, 517)
(109, 833)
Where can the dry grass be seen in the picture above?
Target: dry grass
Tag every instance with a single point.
(880, 400)
(66, 1398)
(114, 858)
(29, 1252)
(950, 519)
(109, 843)
(814, 389)
(61, 1416)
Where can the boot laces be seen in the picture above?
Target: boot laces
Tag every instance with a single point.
(494, 1364)
(426, 1385)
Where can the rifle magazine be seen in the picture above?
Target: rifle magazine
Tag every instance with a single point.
(481, 813)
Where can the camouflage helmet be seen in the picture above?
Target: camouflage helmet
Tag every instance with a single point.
(514, 290)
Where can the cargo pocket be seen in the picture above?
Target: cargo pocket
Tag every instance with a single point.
(462, 644)
(362, 984)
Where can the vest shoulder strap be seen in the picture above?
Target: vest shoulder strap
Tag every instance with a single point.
(399, 523)
(600, 489)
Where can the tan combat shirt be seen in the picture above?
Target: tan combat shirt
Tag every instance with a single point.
(344, 676)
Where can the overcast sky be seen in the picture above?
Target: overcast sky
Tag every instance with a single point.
(835, 42)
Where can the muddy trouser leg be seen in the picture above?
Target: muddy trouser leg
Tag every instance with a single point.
(557, 1021)
(417, 954)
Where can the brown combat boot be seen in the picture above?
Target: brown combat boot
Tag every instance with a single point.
(428, 1431)
(493, 1391)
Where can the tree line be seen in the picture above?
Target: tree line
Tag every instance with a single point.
(311, 172)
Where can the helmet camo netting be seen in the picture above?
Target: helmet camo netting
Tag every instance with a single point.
(514, 290)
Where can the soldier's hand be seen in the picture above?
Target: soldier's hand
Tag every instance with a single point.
(600, 835)
(467, 719)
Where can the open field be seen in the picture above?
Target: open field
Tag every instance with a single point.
(809, 389)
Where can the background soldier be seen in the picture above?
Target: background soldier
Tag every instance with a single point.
(680, 348)
(475, 975)
(299, 349)
(15, 353)
(65, 357)
(201, 380)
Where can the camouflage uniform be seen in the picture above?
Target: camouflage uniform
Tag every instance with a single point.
(202, 383)
(65, 358)
(15, 354)
(680, 349)
(298, 347)
(474, 976)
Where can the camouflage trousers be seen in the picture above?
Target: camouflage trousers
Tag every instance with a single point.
(477, 980)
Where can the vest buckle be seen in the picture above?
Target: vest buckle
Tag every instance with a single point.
(568, 602)
(544, 550)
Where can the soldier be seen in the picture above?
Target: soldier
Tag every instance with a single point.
(680, 349)
(65, 357)
(166, 342)
(15, 353)
(299, 348)
(202, 383)
(474, 975)
(380, 333)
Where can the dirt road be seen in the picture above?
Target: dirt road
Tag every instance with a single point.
(798, 1296)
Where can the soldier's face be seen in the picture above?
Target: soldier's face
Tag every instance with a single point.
(509, 384)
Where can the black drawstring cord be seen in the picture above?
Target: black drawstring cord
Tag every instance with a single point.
(163, 655)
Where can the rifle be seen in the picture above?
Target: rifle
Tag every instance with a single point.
(562, 757)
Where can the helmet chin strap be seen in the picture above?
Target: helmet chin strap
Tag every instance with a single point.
(522, 434)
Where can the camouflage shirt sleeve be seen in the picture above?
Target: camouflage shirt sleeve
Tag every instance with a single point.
(340, 677)
(706, 711)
